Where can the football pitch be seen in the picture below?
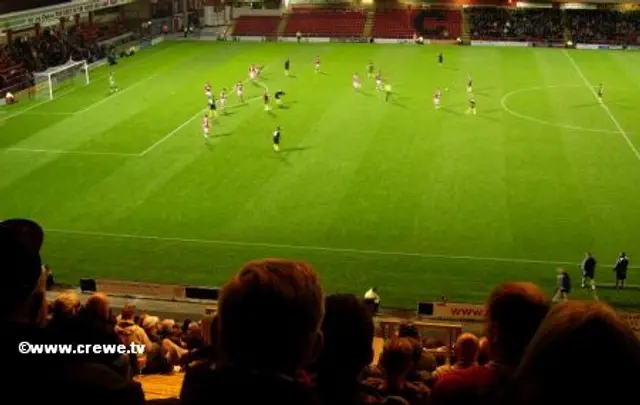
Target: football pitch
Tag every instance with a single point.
(421, 203)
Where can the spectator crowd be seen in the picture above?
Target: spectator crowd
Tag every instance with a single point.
(276, 339)
(555, 25)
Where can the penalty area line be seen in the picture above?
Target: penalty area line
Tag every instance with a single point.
(368, 252)
(187, 122)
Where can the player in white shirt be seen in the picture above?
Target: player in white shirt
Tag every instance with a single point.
(252, 73)
(240, 91)
(316, 64)
(469, 84)
(378, 81)
(356, 82)
(223, 99)
(206, 123)
(437, 99)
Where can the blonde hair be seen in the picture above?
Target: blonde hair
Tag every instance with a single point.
(66, 304)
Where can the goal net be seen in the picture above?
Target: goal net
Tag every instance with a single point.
(61, 79)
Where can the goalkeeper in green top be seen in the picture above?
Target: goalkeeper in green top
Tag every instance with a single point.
(370, 70)
(113, 87)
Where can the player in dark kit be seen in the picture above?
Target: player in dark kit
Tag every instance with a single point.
(440, 58)
(472, 106)
(620, 268)
(287, 65)
(588, 267)
(276, 140)
(564, 286)
(278, 96)
(600, 92)
(265, 97)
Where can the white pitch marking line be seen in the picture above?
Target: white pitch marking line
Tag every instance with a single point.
(36, 105)
(604, 106)
(310, 248)
(51, 113)
(104, 100)
(504, 104)
(193, 117)
(172, 133)
(68, 152)
(184, 124)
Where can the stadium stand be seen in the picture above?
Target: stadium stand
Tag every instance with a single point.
(604, 27)
(257, 25)
(269, 317)
(515, 24)
(394, 24)
(339, 23)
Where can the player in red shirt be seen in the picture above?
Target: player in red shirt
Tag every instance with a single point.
(437, 99)
(240, 91)
(206, 125)
(223, 99)
(356, 82)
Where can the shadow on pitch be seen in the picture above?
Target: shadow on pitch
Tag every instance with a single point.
(294, 149)
(450, 111)
(223, 134)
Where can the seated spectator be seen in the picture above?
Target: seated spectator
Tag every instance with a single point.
(483, 351)
(514, 313)
(129, 332)
(35, 378)
(466, 350)
(424, 363)
(348, 347)
(95, 325)
(583, 353)
(395, 362)
(283, 300)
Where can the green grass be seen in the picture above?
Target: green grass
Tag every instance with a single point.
(422, 203)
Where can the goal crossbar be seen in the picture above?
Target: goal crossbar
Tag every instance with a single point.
(47, 78)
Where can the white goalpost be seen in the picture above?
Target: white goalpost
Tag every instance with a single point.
(53, 81)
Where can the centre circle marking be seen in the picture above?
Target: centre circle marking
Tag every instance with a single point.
(504, 99)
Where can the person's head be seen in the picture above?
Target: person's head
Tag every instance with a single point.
(466, 348)
(396, 358)
(348, 332)
(623, 254)
(23, 287)
(560, 270)
(151, 324)
(578, 343)
(282, 299)
(483, 351)
(408, 330)
(66, 305)
(588, 255)
(128, 312)
(98, 305)
(514, 313)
